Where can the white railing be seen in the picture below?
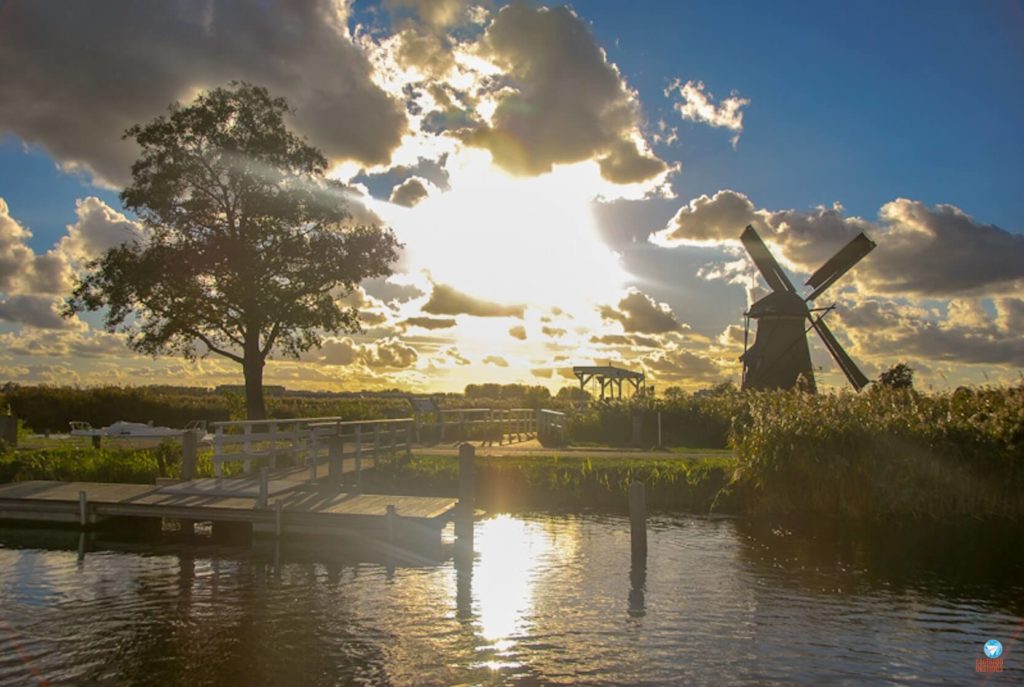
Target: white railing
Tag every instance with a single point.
(307, 441)
(551, 425)
(457, 424)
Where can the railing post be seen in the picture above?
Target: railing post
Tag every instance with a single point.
(314, 453)
(218, 438)
(537, 418)
(272, 461)
(261, 500)
(376, 444)
(247, 447)
(408, 441)
(393, 440)
(359, 457)
(467, 496)
(189, 451)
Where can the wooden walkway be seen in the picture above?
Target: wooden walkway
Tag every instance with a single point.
(292, 508)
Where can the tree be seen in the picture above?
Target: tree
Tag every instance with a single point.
(899, 376)
(248, 246)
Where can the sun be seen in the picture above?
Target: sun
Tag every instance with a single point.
(528, 240)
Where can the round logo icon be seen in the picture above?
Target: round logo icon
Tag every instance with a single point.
(993, 648)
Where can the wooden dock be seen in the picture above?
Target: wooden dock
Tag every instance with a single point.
(292, 507)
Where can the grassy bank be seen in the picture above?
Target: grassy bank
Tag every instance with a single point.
(884, 452)
(86, 464)
(573, 482)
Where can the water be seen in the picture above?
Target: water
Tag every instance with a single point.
(551, 600)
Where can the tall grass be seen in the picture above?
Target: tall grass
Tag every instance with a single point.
(571, 482)
(883, 452)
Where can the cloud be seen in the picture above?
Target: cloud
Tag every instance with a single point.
(434, 13)
(925, 251)
(631, 341)
(445, 300)
(558, 99)
(149, 56)
(640, 313)
(35, 310)
(889, 331)
(554, 332)
(98, 229)
(495, 360)
(21, 269)
(430, 322)
(518, 332)
(409, 192)
(696, 104)
(542, 372)
(389, 353)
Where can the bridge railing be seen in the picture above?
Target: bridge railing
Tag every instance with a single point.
(307, 441)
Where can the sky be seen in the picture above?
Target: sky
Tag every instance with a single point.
(569, 181)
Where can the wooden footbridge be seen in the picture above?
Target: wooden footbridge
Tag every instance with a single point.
(283, 477)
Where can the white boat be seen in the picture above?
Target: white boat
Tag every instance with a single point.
(129, 430)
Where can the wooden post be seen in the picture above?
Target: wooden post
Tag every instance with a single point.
(96, 441)
(391, 522)
(273, 446)
(467, 496)
(335, 459)
(416, 425)
(462, 426)
(537, 419)
(261, 501)
(83, 509)
(376, 443)
(408, 441)
(247, 447)
(637, 520)
(278, 519)
(189, 452)
(314, 454)
(218, 445)
(359, 458)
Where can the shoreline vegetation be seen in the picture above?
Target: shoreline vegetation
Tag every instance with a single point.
(884, 453)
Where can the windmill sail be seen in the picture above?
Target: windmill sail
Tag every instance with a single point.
(846, 364)
(839, 264)
(765, 261)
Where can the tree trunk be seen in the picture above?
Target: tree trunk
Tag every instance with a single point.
(255, 408)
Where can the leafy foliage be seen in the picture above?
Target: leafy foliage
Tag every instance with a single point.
(248, 246)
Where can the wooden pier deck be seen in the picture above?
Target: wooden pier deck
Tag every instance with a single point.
(292, 508)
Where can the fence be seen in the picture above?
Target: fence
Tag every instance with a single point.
(308, 440)
(494, 424)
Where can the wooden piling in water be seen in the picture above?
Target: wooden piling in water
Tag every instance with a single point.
(83, 509)
(467, 496)
(638, 520)
(261, 501)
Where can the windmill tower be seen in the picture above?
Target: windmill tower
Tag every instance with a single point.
(779, 354)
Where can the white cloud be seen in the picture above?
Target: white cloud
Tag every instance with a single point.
(698, 105)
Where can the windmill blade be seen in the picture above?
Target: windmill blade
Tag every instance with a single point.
(844, 361)
(765, 261)
(839, 264)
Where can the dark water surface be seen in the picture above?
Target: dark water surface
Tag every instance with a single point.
(551, 599)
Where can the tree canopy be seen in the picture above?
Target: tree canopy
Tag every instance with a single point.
(248, 247)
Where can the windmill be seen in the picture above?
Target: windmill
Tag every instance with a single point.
(779, 355)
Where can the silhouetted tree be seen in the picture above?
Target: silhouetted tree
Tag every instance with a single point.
(899, 376)
(247, 247)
